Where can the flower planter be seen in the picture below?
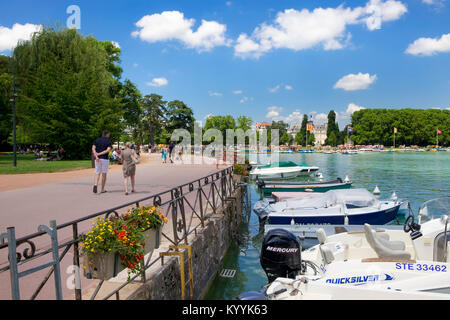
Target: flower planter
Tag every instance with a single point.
(152, 240)
(102, 266)
(237, 178)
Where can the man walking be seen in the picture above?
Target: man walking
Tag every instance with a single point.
(100, 149)
(171, 147)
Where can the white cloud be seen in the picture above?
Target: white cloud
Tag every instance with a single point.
(10, 36)
(294, 117)
(243, 100)
(237, 91)
(158, 82)
(172, 25)
(438, 3)
(344, 117)
(429, 46)
(278, 87)
(273, 112)
(215, 94)
(274, 89)
(353, 108)
(115, 44)
(321, 27)
(353, 82)
(228, 3)
(135, 65)
(320, 118)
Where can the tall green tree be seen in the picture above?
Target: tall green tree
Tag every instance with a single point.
(5, 106)
(155, 109)
(221, 123)
(244, 123)
(333, 128)
(179, 116)
(68, 89)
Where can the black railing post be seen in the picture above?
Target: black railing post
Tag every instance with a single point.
(76, 263)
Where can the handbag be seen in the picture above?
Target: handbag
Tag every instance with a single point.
(135, 158)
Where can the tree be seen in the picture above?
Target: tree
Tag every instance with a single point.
(131, 101)
(5, 105)
(68, 89)
(221, 123)
(414, 126)
(285, 138)
(333, 127)
(244, 123)
(154, 115)
(179, 116)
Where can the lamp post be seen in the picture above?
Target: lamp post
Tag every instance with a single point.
(13, 100)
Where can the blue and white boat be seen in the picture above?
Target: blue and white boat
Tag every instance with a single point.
(349, 206)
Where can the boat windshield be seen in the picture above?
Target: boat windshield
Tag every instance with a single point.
(436, 208)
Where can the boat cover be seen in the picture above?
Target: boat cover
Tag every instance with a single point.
(349, 197)
(283, 164)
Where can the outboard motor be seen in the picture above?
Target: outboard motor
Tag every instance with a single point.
(281, 254)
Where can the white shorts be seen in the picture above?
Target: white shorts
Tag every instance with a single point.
(101, 166)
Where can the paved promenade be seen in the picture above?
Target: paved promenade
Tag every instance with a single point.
(72, 197)
(64, 201)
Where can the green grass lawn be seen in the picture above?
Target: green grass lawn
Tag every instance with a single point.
(26, 164)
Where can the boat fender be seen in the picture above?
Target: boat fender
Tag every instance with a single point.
(376, 190)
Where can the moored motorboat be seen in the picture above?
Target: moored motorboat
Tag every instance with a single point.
(411, 263)
(311, 186)
(346, 206)
(284, 170)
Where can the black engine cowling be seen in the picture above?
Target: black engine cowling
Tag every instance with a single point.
(281, 254)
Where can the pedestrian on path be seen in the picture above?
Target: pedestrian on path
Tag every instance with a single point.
(164, 155)
(100, 149)
(171, 146)
(129, 159)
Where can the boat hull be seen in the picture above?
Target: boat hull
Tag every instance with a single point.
(376, 217)
(282, 175)
(310, 188)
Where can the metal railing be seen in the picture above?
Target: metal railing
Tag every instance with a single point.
(187, 207)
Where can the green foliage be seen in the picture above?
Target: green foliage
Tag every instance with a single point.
(5, 95)
(68, 88)
(244, 123)
(179, 116)
(221, 123)
(415, 126)
(285, 138)
(154, 115)
(333, 133)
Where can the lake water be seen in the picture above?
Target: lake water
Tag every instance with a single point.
(417, 177)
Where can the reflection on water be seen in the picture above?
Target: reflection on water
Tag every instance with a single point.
(417, 177)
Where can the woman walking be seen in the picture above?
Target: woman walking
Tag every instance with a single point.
(129, 159)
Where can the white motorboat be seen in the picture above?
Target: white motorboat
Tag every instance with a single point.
(340, 206)
(284, 170)
(412, 263)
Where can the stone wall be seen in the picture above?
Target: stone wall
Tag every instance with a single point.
(208, 249)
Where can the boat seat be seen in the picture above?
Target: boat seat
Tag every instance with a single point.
(385, 248)
(321, 236)
(327, 254)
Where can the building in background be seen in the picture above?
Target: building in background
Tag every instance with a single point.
(320, 133)
(293, 129)
(263, 125)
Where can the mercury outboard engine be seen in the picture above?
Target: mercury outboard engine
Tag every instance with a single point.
(281, 254)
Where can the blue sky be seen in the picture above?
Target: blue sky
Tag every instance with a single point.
(269, 60)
